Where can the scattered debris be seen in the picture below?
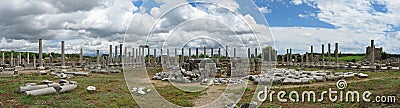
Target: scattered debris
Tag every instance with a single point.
(291, 76)
(90, 88)
(48, 87)
(141, 90)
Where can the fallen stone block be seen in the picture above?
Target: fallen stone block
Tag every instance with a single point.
(362, 75)
(43, 91)
(29, 88)
(332, 78)
(115, 71)
(55, 85)
(307, 80)
(67, 88)
(291, 81)
(318, 78)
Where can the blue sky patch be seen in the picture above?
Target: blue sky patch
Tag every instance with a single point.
(285, 14)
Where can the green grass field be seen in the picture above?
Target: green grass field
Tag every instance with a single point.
(113, 92)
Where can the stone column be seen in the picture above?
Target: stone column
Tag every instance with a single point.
(312, 54)
(40, 53)
(290, 56)
(19, 59)
(183, 52)
(336, 53)
(12, 59)
(98, 57)
(81, 57)
(248, 53)
(133, 55)
(301, 58)
(148, 55)
(161, 57)
(161, 53)
(27, 57)
(323, 54)
(137, 55)
(120, 53)
(110, 56)
(197, 53)
(219, 52)
(167, 55)
(329, 53)
(234, 52)
(115, 53)
(175, 52)
(269, 56)
(212, 52)
(155, 55)
(287, 56)
(183, 56)
(125, 55)
(204, 52)
(226, 52)
(142, 58)
(306, 57)
(129, 58)
(255, 53)
(372, 54)
(190, 53)
(62, 54)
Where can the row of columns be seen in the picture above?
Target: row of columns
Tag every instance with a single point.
(309, 57)
(139, 54)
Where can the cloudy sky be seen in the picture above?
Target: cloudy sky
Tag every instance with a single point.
(296, 24)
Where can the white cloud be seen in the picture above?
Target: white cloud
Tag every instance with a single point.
(297, 2)
(70, 20)
(264, 10)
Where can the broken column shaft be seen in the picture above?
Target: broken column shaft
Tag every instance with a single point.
(205, 52)
(312, 54)
(329, 53)
(81, 57)
(40, 53)
(323, 54)
(336, 53)
(62, 54)
(372, 54)
(98, 57)
(12, 59)
(120, 53)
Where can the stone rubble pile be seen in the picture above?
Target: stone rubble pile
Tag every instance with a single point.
(48, 87)
(104, 71)
(179, 76)
(219, 81)
(291, 76)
